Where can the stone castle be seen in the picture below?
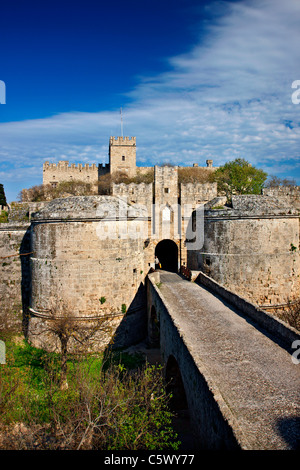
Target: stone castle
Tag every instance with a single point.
(122, 159)
(87, 248)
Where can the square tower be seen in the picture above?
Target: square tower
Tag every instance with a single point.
(122, 155)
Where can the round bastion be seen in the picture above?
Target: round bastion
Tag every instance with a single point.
(87, 263)
(252, 248)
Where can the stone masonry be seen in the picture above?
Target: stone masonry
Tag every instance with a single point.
(87, 248)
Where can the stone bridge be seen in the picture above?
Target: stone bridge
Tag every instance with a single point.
(228, 364)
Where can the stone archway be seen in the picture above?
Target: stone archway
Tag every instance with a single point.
(167, 253)
(174, 385)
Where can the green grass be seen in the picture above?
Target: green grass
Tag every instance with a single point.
(131, 393)
(3, 217)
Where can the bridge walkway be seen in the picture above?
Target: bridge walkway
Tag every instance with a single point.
(252, 374)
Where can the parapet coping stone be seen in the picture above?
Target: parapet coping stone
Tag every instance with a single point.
(89, 207)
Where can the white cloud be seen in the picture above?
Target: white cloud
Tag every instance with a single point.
(230, 96)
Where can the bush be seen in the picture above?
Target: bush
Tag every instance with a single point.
(105, 181)
(47, 192)
(194, 175)
(3, 217)
(105, 407)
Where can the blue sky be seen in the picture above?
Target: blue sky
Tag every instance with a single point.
(195, 80)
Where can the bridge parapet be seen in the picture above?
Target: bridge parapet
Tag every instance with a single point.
(214, 425)
(285, 333)
(241, 385)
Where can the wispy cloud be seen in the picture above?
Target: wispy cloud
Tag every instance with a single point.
(229, 96)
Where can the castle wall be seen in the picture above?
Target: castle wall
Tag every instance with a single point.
(62, 171)
(83, 254)
(14, 274)
(292, 194)
(135, 193)
(256, 255)
(196, 193)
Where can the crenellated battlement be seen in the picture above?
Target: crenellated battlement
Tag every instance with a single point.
(64, 165)
(122, 160)
(63, 171)
(282, 191)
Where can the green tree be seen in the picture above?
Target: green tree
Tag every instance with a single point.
(2, 196)
(239, 177)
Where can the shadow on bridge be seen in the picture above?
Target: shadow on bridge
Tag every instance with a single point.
(289, 429)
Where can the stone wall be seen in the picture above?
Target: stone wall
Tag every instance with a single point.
(253, 251)
(22, 211)
(196, 193)
(55, 173)
(122, 155)
(14, 274)
(135, 194)
(292, 194)
(280, 330)
(88, 257)
(212, 429)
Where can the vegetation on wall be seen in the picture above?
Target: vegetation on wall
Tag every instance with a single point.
(194, 175)
(48, 192)
(105, 181)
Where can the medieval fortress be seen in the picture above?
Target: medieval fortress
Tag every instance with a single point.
(93, 253)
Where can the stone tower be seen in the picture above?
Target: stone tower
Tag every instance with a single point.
(122, 155)
(166, 202)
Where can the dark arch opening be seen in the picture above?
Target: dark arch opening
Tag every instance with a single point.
(167, 253)
(174, 385)
(154, 328)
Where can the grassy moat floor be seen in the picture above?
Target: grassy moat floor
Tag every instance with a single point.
(115, 401)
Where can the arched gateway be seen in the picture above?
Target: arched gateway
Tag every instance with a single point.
(167, 253)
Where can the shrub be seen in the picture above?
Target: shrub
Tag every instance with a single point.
(194, 175)
(104, 408)
(3, 217)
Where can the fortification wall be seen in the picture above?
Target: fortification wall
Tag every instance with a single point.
(14, 274)
(82, 254)
(135, 194)
(197, 193)
(256, 255)
(62, 171)
(292, 194)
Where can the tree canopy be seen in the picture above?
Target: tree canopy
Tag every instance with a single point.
(239, 177)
